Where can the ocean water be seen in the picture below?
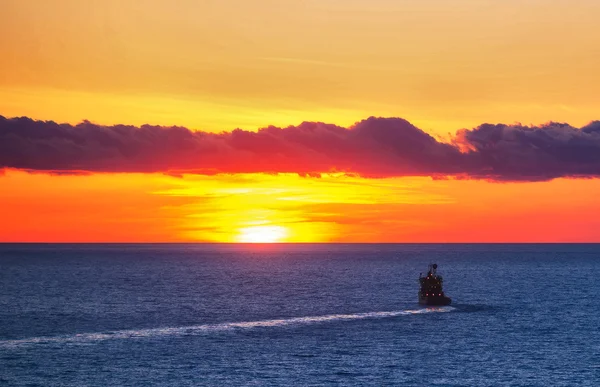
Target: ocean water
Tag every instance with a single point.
(295, 315)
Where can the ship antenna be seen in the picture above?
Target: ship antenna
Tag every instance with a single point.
(433, 268)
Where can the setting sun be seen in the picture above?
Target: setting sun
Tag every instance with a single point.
(262, 234)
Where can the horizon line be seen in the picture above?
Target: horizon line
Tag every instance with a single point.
(299, 243)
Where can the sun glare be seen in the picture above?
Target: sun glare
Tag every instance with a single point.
(262, 234)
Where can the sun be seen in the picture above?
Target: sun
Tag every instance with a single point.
(262, 234)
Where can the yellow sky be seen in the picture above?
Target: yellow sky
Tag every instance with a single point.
(221, 64)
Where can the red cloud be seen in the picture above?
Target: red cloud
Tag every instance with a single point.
(375, 147)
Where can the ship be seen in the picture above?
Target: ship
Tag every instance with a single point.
(431, 292)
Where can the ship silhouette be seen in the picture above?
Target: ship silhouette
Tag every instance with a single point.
(431, 292)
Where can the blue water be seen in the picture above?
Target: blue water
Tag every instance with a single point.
(283, 315)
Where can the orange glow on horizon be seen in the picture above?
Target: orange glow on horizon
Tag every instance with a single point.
(288, 208)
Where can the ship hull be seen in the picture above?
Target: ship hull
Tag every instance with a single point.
(434, 301)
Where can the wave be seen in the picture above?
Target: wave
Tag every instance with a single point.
(82, 338)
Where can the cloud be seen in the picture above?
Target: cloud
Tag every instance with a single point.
(374, 147)
(516, 152)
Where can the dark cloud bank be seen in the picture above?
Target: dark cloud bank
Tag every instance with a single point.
(375, 147)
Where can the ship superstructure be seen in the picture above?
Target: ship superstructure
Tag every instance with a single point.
(431, 292)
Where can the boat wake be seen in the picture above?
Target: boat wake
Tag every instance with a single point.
(82, 338)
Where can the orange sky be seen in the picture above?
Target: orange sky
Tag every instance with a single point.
(217, 65)
(158, 208)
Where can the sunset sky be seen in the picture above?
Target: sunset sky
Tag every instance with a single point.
(299, 121)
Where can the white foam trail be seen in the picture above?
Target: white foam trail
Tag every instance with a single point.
(200, 329)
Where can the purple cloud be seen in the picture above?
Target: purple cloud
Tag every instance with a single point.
(375, 147)
(515, 152)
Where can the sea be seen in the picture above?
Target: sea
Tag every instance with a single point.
(298, 315)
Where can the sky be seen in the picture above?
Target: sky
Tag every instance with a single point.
(299, 121)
